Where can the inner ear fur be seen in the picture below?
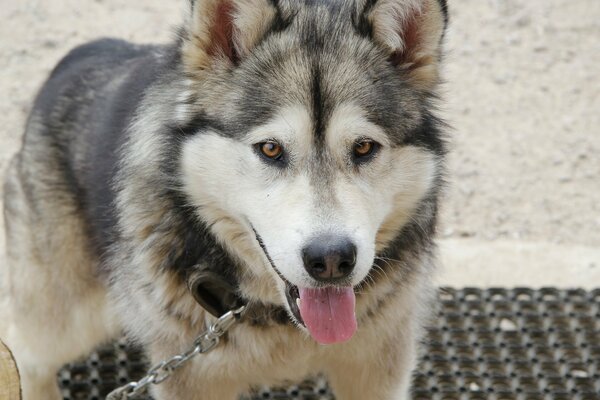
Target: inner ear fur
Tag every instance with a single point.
(411, 31)
(219, 33)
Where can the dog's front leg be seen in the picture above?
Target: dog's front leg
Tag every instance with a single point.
(205, 377)
(376, 372)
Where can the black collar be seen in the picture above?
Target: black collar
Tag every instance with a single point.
(218, 295)
(213, 292)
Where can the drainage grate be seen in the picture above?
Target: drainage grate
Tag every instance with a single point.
(494, 344)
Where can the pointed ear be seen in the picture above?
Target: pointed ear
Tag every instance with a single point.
(222, 32)
(412, 32)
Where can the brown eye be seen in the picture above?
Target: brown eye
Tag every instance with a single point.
(363, 148)
(272, 150)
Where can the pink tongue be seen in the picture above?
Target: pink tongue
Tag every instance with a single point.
(329, 313)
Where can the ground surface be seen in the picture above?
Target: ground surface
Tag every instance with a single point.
(522, 94)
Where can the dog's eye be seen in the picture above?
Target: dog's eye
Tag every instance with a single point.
(363, 149)
(271, 150)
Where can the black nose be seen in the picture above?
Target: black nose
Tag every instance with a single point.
(329, 258)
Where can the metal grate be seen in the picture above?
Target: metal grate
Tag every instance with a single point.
(494, 344)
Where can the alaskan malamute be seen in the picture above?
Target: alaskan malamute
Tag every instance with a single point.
(287, 149)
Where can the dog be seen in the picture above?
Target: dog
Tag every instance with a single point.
(288, 150)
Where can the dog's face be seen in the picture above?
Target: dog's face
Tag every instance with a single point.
(316, 150)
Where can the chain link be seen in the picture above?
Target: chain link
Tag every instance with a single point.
(204, 343)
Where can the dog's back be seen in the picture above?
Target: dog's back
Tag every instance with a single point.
(79, 122)
(58, 200)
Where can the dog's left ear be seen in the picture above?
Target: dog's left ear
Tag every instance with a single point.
(220, 33)
(412, 32)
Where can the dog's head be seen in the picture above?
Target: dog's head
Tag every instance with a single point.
(314, 143)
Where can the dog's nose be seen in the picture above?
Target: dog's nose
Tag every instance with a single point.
(329, 259)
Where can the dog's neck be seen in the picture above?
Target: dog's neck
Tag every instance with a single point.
(212, 274)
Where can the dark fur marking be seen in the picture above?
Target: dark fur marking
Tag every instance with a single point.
(444, 5)
(280, 22)
(106, 145)
(256, 103)
(200, 122)
(262, 245)
(259, 315)
(361, 23)
(317, 104)
(428, 135)
(418, 234)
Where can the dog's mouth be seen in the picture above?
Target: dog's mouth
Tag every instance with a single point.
(292, 294)
(328, 313)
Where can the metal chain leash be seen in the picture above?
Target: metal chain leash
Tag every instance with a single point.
(204, 343)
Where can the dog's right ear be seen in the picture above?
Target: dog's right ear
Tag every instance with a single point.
(220, 33)
(411, 31)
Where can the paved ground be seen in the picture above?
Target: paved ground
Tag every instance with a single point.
(523, 96)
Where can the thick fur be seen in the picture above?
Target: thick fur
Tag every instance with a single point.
(139, 164)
